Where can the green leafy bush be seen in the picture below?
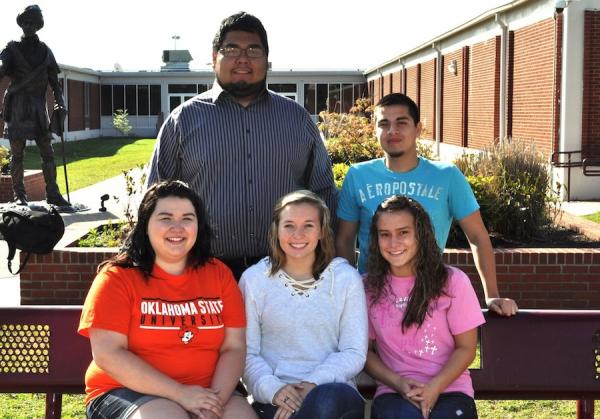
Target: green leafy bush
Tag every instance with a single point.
(4, 159)
(108, 235)
(350, 138)
(121, 121)
(512, 184)
(339, 173)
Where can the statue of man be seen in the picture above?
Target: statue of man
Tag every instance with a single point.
(31, 66)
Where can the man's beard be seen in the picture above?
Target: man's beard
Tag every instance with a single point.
(242, 89)
(396, 154)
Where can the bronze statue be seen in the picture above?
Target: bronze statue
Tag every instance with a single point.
(31, 66)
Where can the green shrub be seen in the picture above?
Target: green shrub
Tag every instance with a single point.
(339, 173)
(4, 159)
(121, 122)
(350, 138)
(512, 184)
(108, 235)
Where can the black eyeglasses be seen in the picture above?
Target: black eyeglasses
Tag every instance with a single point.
(251, 52)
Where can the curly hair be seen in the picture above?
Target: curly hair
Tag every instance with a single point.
(431, 275)
(137, 252)
(325, 251)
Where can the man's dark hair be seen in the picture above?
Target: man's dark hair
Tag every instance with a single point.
(401, 99)
(241, 21)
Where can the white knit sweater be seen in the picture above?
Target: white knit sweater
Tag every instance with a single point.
(319, 336)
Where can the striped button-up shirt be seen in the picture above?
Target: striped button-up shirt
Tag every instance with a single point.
(241, 160)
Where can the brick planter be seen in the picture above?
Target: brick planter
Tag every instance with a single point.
(540, 278)
(61, 277)
(535, 278)
(35, 186)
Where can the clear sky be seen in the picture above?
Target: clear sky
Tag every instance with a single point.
(303, 34)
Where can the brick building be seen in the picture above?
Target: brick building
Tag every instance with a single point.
(522, 70)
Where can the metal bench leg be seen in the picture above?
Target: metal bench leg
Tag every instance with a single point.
(585, 409)
(53, 405)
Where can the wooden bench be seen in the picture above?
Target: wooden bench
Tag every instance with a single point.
(538, 355)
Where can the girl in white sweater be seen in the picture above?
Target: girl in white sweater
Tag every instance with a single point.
(307, 319)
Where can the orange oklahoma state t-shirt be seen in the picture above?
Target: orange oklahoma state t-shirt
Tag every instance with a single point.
(176, 323)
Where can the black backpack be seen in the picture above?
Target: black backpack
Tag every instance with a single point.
(31, 230)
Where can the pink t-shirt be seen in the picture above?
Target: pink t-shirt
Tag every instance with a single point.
(421, 353)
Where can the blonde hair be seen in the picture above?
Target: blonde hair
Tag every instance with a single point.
(325, 250)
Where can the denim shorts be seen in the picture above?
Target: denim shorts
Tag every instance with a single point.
(119, 403)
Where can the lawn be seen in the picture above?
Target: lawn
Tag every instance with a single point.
(17, 406)
(90, 161)
(594, 217)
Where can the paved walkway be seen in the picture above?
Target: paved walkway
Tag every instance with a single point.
(580, 208)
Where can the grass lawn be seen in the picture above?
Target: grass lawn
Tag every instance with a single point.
(593, 217)
(91, 161)
(17, 406)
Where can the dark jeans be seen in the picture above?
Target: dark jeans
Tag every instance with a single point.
(327, 401)
(448, 405)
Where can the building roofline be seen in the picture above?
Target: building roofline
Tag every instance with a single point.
(490, 14)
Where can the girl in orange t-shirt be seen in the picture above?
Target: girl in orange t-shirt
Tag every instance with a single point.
(165, 320)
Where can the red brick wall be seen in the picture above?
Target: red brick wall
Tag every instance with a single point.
(535, 278)
(76, 121)
(412, 82)
(387, 84)
(533, 86)
(427, 89)
(61, 277)
(35, 186)
(541, 278)
(377, 90)
(590, 133)
(453, 105)
(397, 82)
(484, 93)
(95, 106)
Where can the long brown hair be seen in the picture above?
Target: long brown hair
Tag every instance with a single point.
(325, 250)
(431, 275)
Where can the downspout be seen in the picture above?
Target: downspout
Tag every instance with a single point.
(438, 97)
(402, 78)
(503, 76)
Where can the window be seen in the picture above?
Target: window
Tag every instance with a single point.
(204, 87)
(321, 98)
(143, 100)
(283, 87)
(131, 99)
(335, 100)
(106, 100)
(347, 97)
(155, 107)
(310, 96)
(182, 88)
(118, 97)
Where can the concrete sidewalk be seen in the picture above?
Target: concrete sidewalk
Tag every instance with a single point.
(76, 224)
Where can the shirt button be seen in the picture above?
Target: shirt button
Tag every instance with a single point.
(250, 181)
(247, 131)
(249, 155)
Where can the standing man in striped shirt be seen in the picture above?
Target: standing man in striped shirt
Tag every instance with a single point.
(241, 147)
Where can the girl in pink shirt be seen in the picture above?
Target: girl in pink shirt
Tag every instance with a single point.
(423, 319)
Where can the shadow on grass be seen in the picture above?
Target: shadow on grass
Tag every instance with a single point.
(77, 150)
